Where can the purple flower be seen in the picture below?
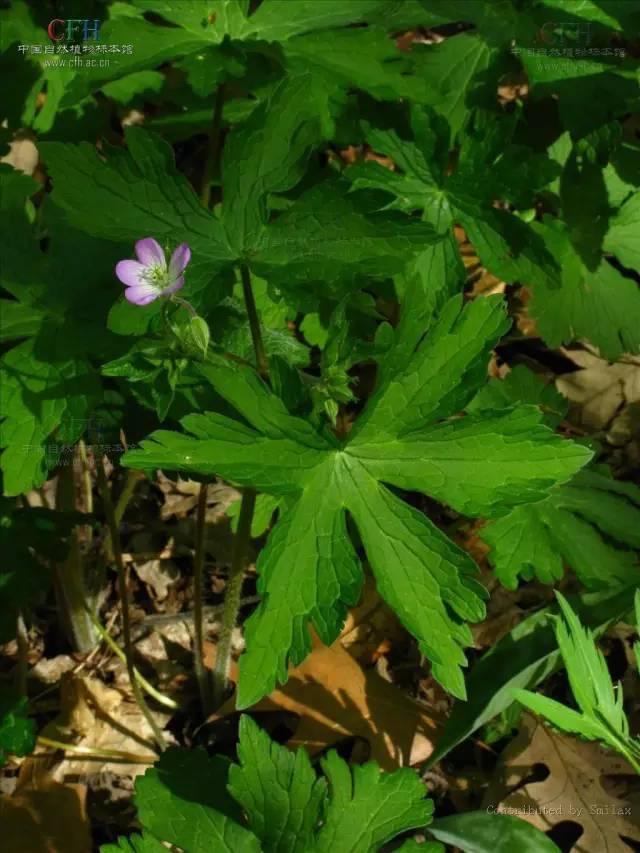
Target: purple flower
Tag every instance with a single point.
(149, 277)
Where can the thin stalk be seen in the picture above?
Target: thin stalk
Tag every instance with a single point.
(124, 603)
(254, 323)
(133, 478)
(214, 150)
(203, 673)
(22, 666)
(142, 681)
(232, 596)
(69, 579)
(94, 753)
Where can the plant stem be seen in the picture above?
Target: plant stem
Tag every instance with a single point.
(69, 577)
(133, 477)
(91, 752)
(254, 323)
(142, 681)
(232, 596)
(124, 602)
(203, 673)
(212, 162)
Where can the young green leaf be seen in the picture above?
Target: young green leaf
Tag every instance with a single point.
(601, 715)
(278, 790)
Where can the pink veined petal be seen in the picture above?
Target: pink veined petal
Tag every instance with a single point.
(175, 285)
(141, 294)
(150, 253)
(130, 272)
(179, 260)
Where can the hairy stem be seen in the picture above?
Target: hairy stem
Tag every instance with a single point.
(69, 579)
(203, 673)
(124, 602)
(232, 596)
(212, 161)
(254, 323)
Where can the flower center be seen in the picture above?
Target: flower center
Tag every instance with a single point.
(157, 276)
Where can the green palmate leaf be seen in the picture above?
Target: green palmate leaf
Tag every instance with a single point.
(602, 714)
(601, 305)
(17, 731)
(287, 806)
(484, 832)
(183, 801)
(505, 244)
(522, 659)
(309, 571)
(268, 154)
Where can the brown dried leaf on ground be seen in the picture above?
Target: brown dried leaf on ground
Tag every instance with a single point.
(334, 699)
(97, 717)
(371, 628)
(159, 576)
(181, 496)
(585, 785)
(600, 391)
(43, 815)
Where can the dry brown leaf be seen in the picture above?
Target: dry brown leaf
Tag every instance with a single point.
(334, 699)
(98, 717)
(43, 815)
(578, 788)
(600, 390)
(371, 628)
(159, 575)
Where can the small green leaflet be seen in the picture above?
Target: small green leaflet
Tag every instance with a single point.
(185, 800)
(406, 438)
(602, 714)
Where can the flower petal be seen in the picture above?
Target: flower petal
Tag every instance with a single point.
(175, 285)
(179, 260)
(150, 253)
(130, 272)
(141, 294)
